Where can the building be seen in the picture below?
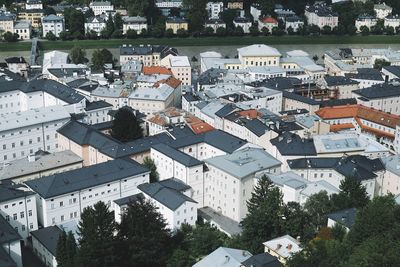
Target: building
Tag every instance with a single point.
(293, 22)
(39, 165)
(180, 68)
(365, 21)
(172, 198)
(54, 24)
(10, 245)
(392, 21)
(17, 65)
(176, 24)
(243, 22)
(101, 7)
(24, 133)
(267, 22)
(369, 172)
(258, 55)
(214, 9)
(44, 244)
(230, 180)
(148, 55)
(366, 77)
(121, 205)
(382, 10)
(7, 21)
(95, 24)
(137, 24)
(345, 218)
(62, 197)
(321, 15)
(33, 4)
(391, 178)
(282, 247)
(18, 207)
(384, 97)
(223, 256)
(215, 24)
(23, 28)
(235, 4)
(340, 87)
(33, 15)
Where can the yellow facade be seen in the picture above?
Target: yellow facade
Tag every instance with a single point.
(35, 16)
(175, 26)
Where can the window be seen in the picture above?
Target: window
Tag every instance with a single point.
(7, 218)
(62, 218)
(15, 216)
(31, 226)
(53, 220)
(29, 213)
(22, 215)
(23, 228)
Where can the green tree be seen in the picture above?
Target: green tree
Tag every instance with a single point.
(208, 31)
(196, 13)
(221, 31)
(50, 36)
(265, 31)
(10, 37)
(352, 194)
(109, 29)
(64, 35)
(143, 237)
(326, 30)
(149, 163)
(364, 30)
(239, 31)
(131, 34)
(96, 229)
(125, 126)
(380, 63)
(61, 251)
(181, 33)
(77, 55)
(264, 220)
(101, 57)
(118, 22)
(74, 20)
(71, 250)
(318, 206)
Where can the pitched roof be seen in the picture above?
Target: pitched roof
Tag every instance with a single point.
(11, 192)
(177, 155)
(290, 144)
(383, 90)
(284, 246)
(7, 232)
(258, 50)
(129, 199)
(48, 237)
(222, 256)
(86, 177)
(345, 217)
(339, 80)
(149, 70)
(167, 196)
(262, 260)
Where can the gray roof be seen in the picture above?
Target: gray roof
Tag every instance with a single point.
(79, 179)
(227, 224)
(290, 144)
(339, 80)
(384, 90)
(48, 237)
(227, 109)
(226, 257)
(254, 125)
(175, 184)
(7, 232)
(129, 199)
(366, 74)
(11, 192)
(147, 50)
(244, 162)
(52, 18)
(262, 260)
(167, 196)
(355, 166)
(24, 167)
(345, 217)
(97, 105)
(5, 259)
(177, 155)
(395, 70)
(392, 163)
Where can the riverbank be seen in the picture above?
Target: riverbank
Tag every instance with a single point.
(206, 41)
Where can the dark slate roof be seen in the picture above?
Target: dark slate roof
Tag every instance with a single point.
(225, 110)
(97, 105)
(300, 98)
(17, 60)
(278, 83)
(129, 199)
(175, 184)
(339, 80)
(345, 217)
(190, 97)
(254, 125)
(147, 50)
(395, 70)
(48, 237)
(383, 90)
(366, 74)
(210, 76)
(5, 259)
(290, 144)
(9, 193)
(338, 102)
(356, 166)
(179, 131)
(102, 125)
(177, 155)
(170, 198)
(69, 72)
(262, 260)
(217, 138)
(79, 179)
(83, 84)
(7, 232)
(294, 112)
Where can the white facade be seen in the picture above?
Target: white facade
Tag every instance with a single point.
(214, 9)
(392, 21)
(33, 4)
(43, 253)
(96, 24)
(382, 10)
(180, 68)
(134, 23)
(365, 21)
(53, 24)
(14, 250)
(321, 15)
(101, 7)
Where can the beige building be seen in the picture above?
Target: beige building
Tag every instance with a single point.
(7, 22)
(180, 68)
(34, 15)
(321, 15)
(235, 4)
(258, 55)
(175, 24)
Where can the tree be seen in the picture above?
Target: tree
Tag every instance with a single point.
(221, 31)
(380, 63)
(174, 12)
(71, 250)
(194, 59)
(77, 55)
(64, 35)
(125, 126)
(389, 30)
(96, 229)
(315, 58)
(264, 219)
(326, 30)
(208, 31)
(352, 194)
(318, 206)
(364, 30)
(48, 11)
(50, 36)
(118, 22)
(181, 33)
(238, 31)
(109, 29)
(101, 57)
(169, 33)
(197, 14)
(10, 37)
(74, 20)
(61, 251)
(277, 31)
(131, 34)
(143, 237)
(265, 31)
(149, 163)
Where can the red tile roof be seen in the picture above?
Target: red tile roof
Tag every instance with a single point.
(156, 70)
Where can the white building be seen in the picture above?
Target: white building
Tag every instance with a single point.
(134, 23)
(215, 24)
(365, 21)
(282, 247)
(293, 22)
(258, 55)
(54, 24)
(392, 21)
(44, 244)
(10, 245)
(164, 4)
(62, 197)
(382, 10)
(18, 207)
(95, 24)
(24, 133)
(172, 163)
(101, 7)
(33, 4)
(391, 178)
(321, 15)
(243, 22)
(148, 55)
(23, 28)
(230, 180)
(172, 198)
(214, 9)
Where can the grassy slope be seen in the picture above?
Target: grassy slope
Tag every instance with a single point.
(208, 41)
